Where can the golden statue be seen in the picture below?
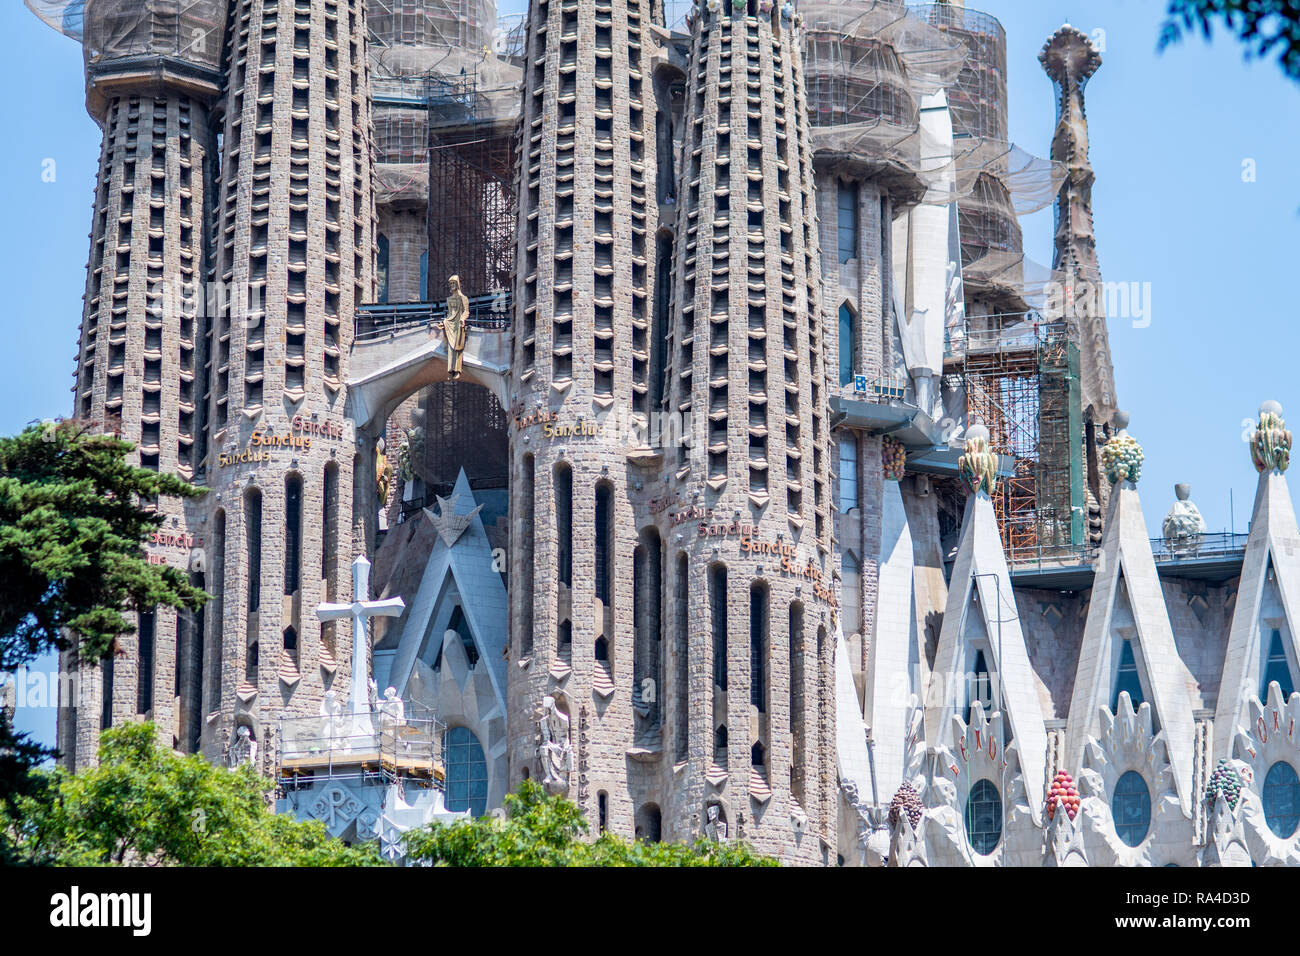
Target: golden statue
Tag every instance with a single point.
(383, 473)
(456, 326)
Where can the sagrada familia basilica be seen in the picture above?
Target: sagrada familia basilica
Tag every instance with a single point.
(656, 402)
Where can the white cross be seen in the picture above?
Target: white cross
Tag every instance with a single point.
(360, 610)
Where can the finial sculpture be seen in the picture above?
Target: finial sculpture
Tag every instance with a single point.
(1183, 527)
(978, 468)
(456, 327)
(1122, 457)
(1270, 443)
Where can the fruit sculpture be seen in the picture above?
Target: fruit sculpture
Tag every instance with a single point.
(1063, 793)
(1225, 780)
(894, 458)
(1270, 444)
(1122, 458)
(906, 800)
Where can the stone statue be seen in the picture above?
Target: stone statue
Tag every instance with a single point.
(554, 749)
(244, 748)
(392, 712)
(456, 326)
(715, 828)
(372, 694)
(331, 713)
(1183, 526)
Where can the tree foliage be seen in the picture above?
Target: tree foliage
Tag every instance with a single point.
(72, 529)
(542, 830)
(1264, 26)
(144, 805)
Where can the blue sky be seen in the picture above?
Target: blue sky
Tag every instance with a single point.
(1169, 136)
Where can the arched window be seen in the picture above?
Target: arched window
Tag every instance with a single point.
(604, 542)
(649, 823)
(848, 343)
(466, 772)
(758, 754)
(1277, 669)
(1126, 679)
(1131, 808)
(144, 674)
(984, 817)
(718, 613)
(602, 650)
(758, 605)
(292, 532)
(720, 742)
(1282, 799)
(848, 472)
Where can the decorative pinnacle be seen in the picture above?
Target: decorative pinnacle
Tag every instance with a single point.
(1270, 443)
(1122, 456)
(978, 468)
(1069, 56)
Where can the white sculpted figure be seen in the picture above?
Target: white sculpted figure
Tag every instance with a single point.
(1183, 527)
(554, 749)
(244, 748)
(332, 720)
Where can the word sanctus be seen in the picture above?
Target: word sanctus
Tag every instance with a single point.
(261, 440)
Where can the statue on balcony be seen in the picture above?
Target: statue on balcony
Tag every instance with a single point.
(1183, 527)
(456, 327)
(554, 749)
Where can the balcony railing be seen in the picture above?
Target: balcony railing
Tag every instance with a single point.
(487, 313)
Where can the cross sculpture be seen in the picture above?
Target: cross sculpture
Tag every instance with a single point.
(360, 610)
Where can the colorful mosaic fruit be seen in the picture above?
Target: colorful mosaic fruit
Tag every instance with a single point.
(979, 466)
(906, 800)
(1063, 793)
(1270, 444)
(1122, 458)
(893, 457)
(1224, 780)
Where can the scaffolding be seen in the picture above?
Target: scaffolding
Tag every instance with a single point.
(188, 30)
(1021, 376)
(408, 743)
(469, 25)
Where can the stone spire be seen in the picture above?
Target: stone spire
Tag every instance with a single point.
(1070, 59)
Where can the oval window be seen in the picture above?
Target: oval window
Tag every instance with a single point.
(1131, 808)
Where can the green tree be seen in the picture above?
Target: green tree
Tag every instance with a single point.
(74, 516)
(1264, 26)
(145, 805)
(542, 830)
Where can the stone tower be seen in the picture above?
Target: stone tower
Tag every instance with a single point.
(152, 78)
(294, 227)
(581, 375)
(747, 361)
(1070, 59)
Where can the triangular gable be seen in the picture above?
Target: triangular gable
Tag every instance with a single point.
(852, 759)
(1274, 542)
(893, 662)
(979, 598)
(469, 564)
(1127, 603)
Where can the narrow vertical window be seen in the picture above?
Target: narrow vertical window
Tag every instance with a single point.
(524, 542)
(329, 547)
(602, 810)
(106, 688)
(604, 541)
(718, 617)
(848, 472)
(981, 687)
(381, 268)
(253, 544)
(292, 533)
(145, 656)
(1127, 679)
(682, 678)
(1276, 668)
(564, 523)
(798, 718)
(848, 343)
(847, 221)
(213, 693)
(758, 598)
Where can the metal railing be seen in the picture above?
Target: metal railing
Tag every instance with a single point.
(1221, 544)
(487, 313)
(394, 744)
